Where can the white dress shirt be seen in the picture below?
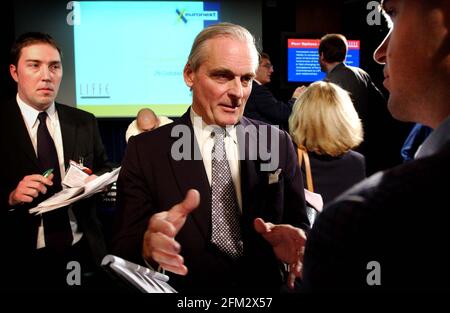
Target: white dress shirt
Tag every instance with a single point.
(206, 142)
(30, 117)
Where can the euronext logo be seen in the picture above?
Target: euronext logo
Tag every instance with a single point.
(186, 15)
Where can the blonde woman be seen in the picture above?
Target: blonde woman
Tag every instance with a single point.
(325, 124)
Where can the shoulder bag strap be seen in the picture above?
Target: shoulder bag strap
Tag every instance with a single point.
(303, 154)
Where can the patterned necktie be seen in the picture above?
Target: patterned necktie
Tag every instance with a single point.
(57, 231)
(226, 230)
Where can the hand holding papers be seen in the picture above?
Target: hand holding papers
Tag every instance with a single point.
(70, 195)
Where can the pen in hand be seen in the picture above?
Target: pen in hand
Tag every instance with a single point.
(47, 173)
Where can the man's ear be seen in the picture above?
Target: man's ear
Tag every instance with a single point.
(441, 17)
(446, 14)
(188, 75)
(13, 72)
(321, 57)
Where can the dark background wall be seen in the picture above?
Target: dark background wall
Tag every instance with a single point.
(6, 39)
(277, 19)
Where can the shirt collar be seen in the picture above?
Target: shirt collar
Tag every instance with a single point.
(30, 114)
(334, 67)
(202, 129)
(436, 140)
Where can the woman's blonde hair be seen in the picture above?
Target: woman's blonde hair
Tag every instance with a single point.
(324, 120)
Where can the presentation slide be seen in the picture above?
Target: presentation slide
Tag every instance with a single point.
(303, 59)
(130, 55)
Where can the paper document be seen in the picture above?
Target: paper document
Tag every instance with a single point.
(70, 195)
(142, 278)
(75, 176)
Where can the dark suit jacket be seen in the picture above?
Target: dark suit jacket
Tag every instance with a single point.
(367, 100)
(359, 84)
(399, 219)
(334, 175)
(263, 106)
(81, 138)
(151, 180)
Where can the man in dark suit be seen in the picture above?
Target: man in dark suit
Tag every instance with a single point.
(33, 259)
(262, 104)
(365, 95)
(216, 238)
(391, 231)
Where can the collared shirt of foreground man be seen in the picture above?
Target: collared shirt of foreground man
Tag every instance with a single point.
(391, 231)
(264, 190)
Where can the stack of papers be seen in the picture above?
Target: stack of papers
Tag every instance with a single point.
(140, 277)
(70, 195)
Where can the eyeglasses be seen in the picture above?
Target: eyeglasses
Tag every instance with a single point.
(268, 66)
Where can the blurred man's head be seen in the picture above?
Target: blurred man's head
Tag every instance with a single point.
(332, 49)
(147, 120)
(416, 55)
(265, 69)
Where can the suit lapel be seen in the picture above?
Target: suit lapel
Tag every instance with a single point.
(191, 174)
(248, 161)
(68, 133)
(19, 130)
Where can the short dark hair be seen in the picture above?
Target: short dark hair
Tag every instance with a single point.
(334, 47)
(28, 39)
(263, 55)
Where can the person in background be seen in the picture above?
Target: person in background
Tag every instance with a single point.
(40, 136)
(146, 120)
(262, 104)
(363, 92)
(390, 232)
(214, 217)
(325, 124)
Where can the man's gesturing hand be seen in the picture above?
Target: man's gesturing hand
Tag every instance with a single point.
(159, 240)
(288, 243)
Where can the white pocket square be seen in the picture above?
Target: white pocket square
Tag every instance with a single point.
(274, 177)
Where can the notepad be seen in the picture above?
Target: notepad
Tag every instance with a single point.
(140, 277)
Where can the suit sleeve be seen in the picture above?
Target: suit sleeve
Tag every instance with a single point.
(101, 162)
(134, 201)
(295, 205)
(332, 260)
(269, 107)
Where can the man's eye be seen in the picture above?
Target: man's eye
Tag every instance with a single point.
(55, 67)
(221, 76)
(246, 81)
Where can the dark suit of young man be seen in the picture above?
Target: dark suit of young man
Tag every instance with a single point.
(152, 181)
(19, 229)
(358, 83)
